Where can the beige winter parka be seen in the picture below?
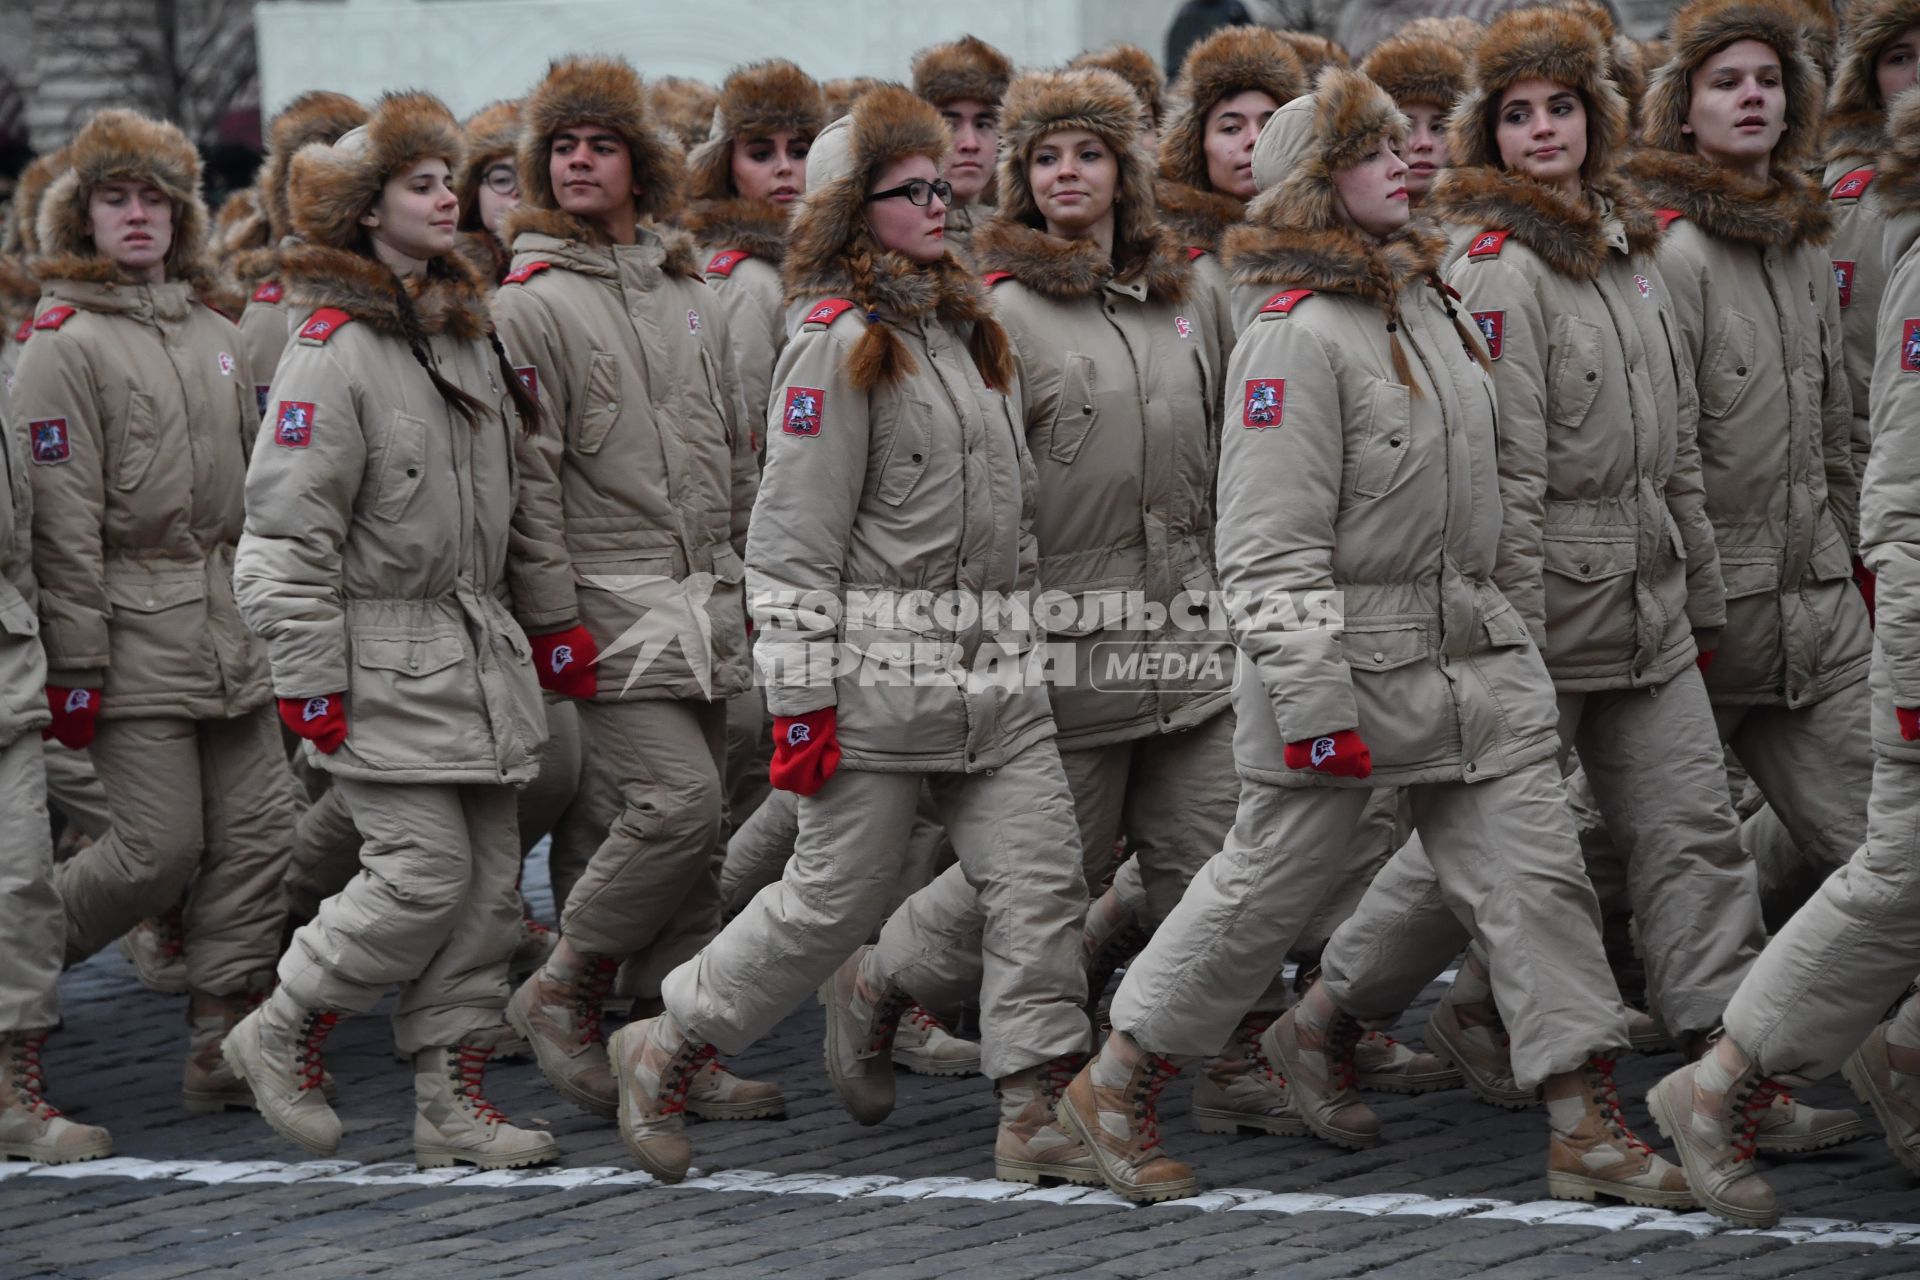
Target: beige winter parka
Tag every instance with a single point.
(23, 666)
(744, 243)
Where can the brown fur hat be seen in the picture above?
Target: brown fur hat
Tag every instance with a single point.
(1540, 44)
(1232, 60)
(1458, 30)
(755, 102)
(683, 107)
(1419, 70)
(1311, 138)
(1044, 102)
(22, 233)
(1136, 66)
(1821, 27)
(125, 146)
(965, 68)
(1856, 116)
(1316, 53)
(842, 94)
(1705, 27)
(490, 134)
(607, 92)
(319, 116)
(240, 224)
(330, 185)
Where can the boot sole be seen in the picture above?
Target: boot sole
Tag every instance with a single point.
(1852, 1131)
(448, 1157)
(1140, 1193)
(1040, 1175)
(624, 1117)
(1405, 1085)
(1483, 1087)
(25, 1151)
(1869, 1094)
(829, 1055)
(1214, 1120)
(573, 1093)
(1656, 1104)
(274, 1122)
(1574, 1186)
(924, 1066)
(772, 1109)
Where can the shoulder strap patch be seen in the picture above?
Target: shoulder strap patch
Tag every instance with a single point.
(1193, 253)
(724, 262)
(993, 278)
(520, 275)
(1488, 244)
(1281, 304)
(53, 317)
(25, 330)
(829, 310)
(323, 324)
(269, 291)
(1852, 185)
(1668, 217)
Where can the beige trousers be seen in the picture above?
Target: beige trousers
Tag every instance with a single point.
(32, 923)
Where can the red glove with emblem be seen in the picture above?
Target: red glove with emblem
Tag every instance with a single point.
(1342, 755)
(75, 715)
(806, 751)
(564, 661)
(1863, 578)
(320, 720)
(1909, 718)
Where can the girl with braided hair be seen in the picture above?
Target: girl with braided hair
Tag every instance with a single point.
(374, 563)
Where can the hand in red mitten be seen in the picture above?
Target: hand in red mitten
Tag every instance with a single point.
(806, 751)
(1342, 755)
(1909, 718)
(1704, 659)
(564, 662)
(321, 720)
(1863, 578)
(76, 713)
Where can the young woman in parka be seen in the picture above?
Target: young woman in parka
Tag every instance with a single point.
(374, 564)
(1730, 121)
(136, 400)
(1425, 76)
(488, 185)
(964, 81)
(890, 548)
(1358, 486)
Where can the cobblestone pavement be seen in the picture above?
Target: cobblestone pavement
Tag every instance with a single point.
(1453, 1191)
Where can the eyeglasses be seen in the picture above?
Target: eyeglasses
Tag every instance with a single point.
(502, 180)
(919, 191)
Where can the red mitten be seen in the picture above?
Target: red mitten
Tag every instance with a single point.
(806, 751)
(321, 721)
(564, 662)
(76, 713)
(1342, 754)
(1909, 718)
(1704, 659)
(1863, 578)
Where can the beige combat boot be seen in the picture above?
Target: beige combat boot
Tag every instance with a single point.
(1312, 1046)
(1031, 1146)
(31, 1128)
(718, 1094)
(276, 1050)
(859, 1043)
(1384, 1065)
(453, 1123)
(923, 1045)
(156, 948)
(1472, 1038)
(1241, 1089)
(1876, 1076)
(1593, 1153)
(1112, 1107)
(208, 1085)
(654, 1063)
(1709, 1110)
(558, 1012)
(535, 947)
(1789, 1127)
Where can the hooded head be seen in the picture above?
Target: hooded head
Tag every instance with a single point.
(757, 101)
(489, 136)
(1135, 66)
(1856, 111)
(1556, 45)
(965, 68)
(683, 107)
(319, 116)
(1416, 70)
(125, 146)
(1704, 28)
(332, 185)
(1311, 138)
(605, 92)
(22, 233)
(1231, 61)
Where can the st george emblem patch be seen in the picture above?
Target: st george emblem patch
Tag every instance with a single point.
(1264, 403)
(1493, 329)
(51, 444)
(293, 429)
(1910, 346)
(1843, 281)
(802, 414)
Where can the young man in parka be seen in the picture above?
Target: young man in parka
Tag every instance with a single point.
(965, 80)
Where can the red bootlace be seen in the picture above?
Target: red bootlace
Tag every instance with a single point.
(678, 1077)
(590, 1004)
(1607, 1095)
(1343, 1033)
(470, 1070)
(886, 1021)
(1752, 1108)
(917, 1014)
(1252, 1027)
(1146, 1099)
(312, 1071)
(1057, 1074)
(28, 1078)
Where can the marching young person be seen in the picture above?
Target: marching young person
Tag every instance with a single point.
(964, 80)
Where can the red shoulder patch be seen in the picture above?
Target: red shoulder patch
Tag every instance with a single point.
(803, 411)
(724, 261)
(1263, 403)
(323, 324)
(1668, 217)
(1852, 185)
(25, 330)
(828, 311)
(993, 278)
(53, 317)
(520, 275)
(1193, 253)
(1281, 304)
(269, 291)
(1488, 244)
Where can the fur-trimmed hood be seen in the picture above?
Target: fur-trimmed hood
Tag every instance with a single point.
(607, 92)
(331, 185)
(965, 68)
(757, 101)
(1783, 212)
(1703, 28)
(1313, 137)
(1067, 269)
(22, 233)
(1570, 234)
(1557, 45)
(1338, 260)
(756, 226)
(683, 107)
(842, 94)
(241, 223)
(114, 146)
(1316, 53)
(19, 293)
(490, 135)
(681, 257)
(1419, 70)
(1200, 218)
(448, 297)
(1136, 66)
(1898, 182)
(312, 117)
(1856, 116)
(1231, 61)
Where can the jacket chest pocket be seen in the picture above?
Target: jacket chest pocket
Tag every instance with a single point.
(1729, 365)
(1383, 451)
(1074, 415)
(402, 464)
(139, 441)
(602, 407)
(1574, 379)
(909, 446)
